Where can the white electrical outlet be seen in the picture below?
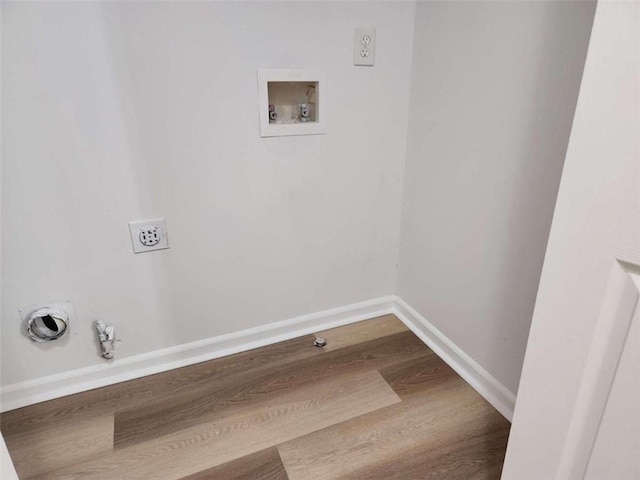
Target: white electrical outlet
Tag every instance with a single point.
(149, 235)
(364, 46)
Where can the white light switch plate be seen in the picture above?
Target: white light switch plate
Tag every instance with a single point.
(364, 46)
(149, 235)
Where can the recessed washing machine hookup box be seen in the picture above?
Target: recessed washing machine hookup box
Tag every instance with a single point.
(292, 102)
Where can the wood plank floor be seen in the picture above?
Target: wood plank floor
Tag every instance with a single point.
(375, 403)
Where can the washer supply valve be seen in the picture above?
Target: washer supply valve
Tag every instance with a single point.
(106, 335)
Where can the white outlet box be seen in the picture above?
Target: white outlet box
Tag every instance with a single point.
(149, 235)
(364, 46)
(285, 90)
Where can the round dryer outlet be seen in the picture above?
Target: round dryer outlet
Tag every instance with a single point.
(149, 236)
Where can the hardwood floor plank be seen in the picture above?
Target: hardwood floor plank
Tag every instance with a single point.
(214, 400)
(42, 450)
(361, 332)
(379, 405)
(141, 391)
(263, 465)
(247, 431)
(419, 375)
(431, 421)
(476, 453)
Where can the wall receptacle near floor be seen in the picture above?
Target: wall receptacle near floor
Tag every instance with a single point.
(292, 102)
(149, 235)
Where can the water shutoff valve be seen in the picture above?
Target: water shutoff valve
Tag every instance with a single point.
(106, 335)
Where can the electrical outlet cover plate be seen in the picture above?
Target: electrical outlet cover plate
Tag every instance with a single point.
(364, 46)
(149, 235)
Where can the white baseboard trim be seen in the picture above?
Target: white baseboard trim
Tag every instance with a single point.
(29, 392)
(482, 381)
(54, 386)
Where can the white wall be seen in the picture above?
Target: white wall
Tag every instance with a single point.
(494, 87)
(115, 112)
(595, 222)
(142, 110)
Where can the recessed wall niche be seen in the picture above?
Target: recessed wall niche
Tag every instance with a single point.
(292, 102)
